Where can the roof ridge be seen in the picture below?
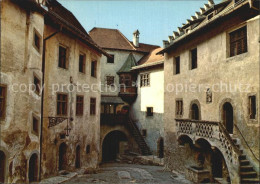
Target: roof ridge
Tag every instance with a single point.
(126, 39)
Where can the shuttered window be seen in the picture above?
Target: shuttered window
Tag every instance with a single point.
(238, 42)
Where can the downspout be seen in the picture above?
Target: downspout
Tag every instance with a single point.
(42, 96)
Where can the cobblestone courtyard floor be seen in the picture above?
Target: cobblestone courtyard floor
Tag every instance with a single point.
(116, 173)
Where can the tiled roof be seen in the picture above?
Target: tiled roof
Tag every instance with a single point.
(129, 63)
(151, 57)
(114, 39)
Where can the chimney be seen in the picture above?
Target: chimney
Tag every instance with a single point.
(136, 38)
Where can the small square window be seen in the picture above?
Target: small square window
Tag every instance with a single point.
(110, 80)
(193, 58)
(149, 111)
(37, 85)
(92, 106)
(82, 63)
(63, 57)
(94, 68)
(111, 60)
(252, 107)
(35, 125)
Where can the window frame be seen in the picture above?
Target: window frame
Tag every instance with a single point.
(83, 63)
(111, 59)
(94, 72)
(179, 107)
(36, 132)
(66, 57)
(229, 45)
(250, 107)
(37, 87)
(67, 100)
(192, 64)
(79, 111)
(145, 80)
(177, 59)
(36, 33)
(110, 84)
(4, 101)
(149, 113)
(93, 106)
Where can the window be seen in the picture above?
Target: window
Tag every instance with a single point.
(193, 53)
(108, 109)
(62, 103)
(111, 60)
(37, 85)
(37, 40)
(149, 111)
(35, 125)
(79, 105)
(238, 41)
(177, 65)
(145, 80)
(88, 149)
(82, 63)
(144, 132)
(62, 136)
(94, 68)
(92, 106)
(110, 80)
(179, 108)
(2, 100)
(63, 57)
(252, 107)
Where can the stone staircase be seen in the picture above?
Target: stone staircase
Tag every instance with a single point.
(247, 172)
(138, 137)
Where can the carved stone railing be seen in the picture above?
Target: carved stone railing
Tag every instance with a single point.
(214, 132)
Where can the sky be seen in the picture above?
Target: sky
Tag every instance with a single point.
(155, 20)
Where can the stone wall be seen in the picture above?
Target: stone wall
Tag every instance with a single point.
(20, 62)
(85, 130)
(215, 67)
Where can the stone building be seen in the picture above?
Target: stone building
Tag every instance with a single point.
(50, 128)
(211, 97)
(122, 95)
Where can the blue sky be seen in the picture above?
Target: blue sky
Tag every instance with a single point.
(155, 20)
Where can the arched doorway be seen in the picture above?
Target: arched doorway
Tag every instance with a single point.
(77, 162)
(33, 168)
(160, 147)
(2, 166)
(62, 156)
(195, 113)
(227, 117)
(112, 145)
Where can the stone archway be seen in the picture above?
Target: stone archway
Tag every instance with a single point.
(112, 145)
(77, 160)
(62, 156)
(195, 113)
(2, 166)
(228, 117)
(33, 168)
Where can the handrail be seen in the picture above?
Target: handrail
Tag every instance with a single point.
(229, 138)
(246, 142)
(197, 121)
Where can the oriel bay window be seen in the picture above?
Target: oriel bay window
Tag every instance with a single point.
(126, 80)
(79, 105)
(62, 104)
(238, 41)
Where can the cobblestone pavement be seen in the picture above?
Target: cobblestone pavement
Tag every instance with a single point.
(115, 173)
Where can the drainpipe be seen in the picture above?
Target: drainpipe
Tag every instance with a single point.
(42, 96)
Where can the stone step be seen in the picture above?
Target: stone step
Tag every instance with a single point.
(246, 168)
(242, 157)
(250, 180)
(251, 174)
(244, 162)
